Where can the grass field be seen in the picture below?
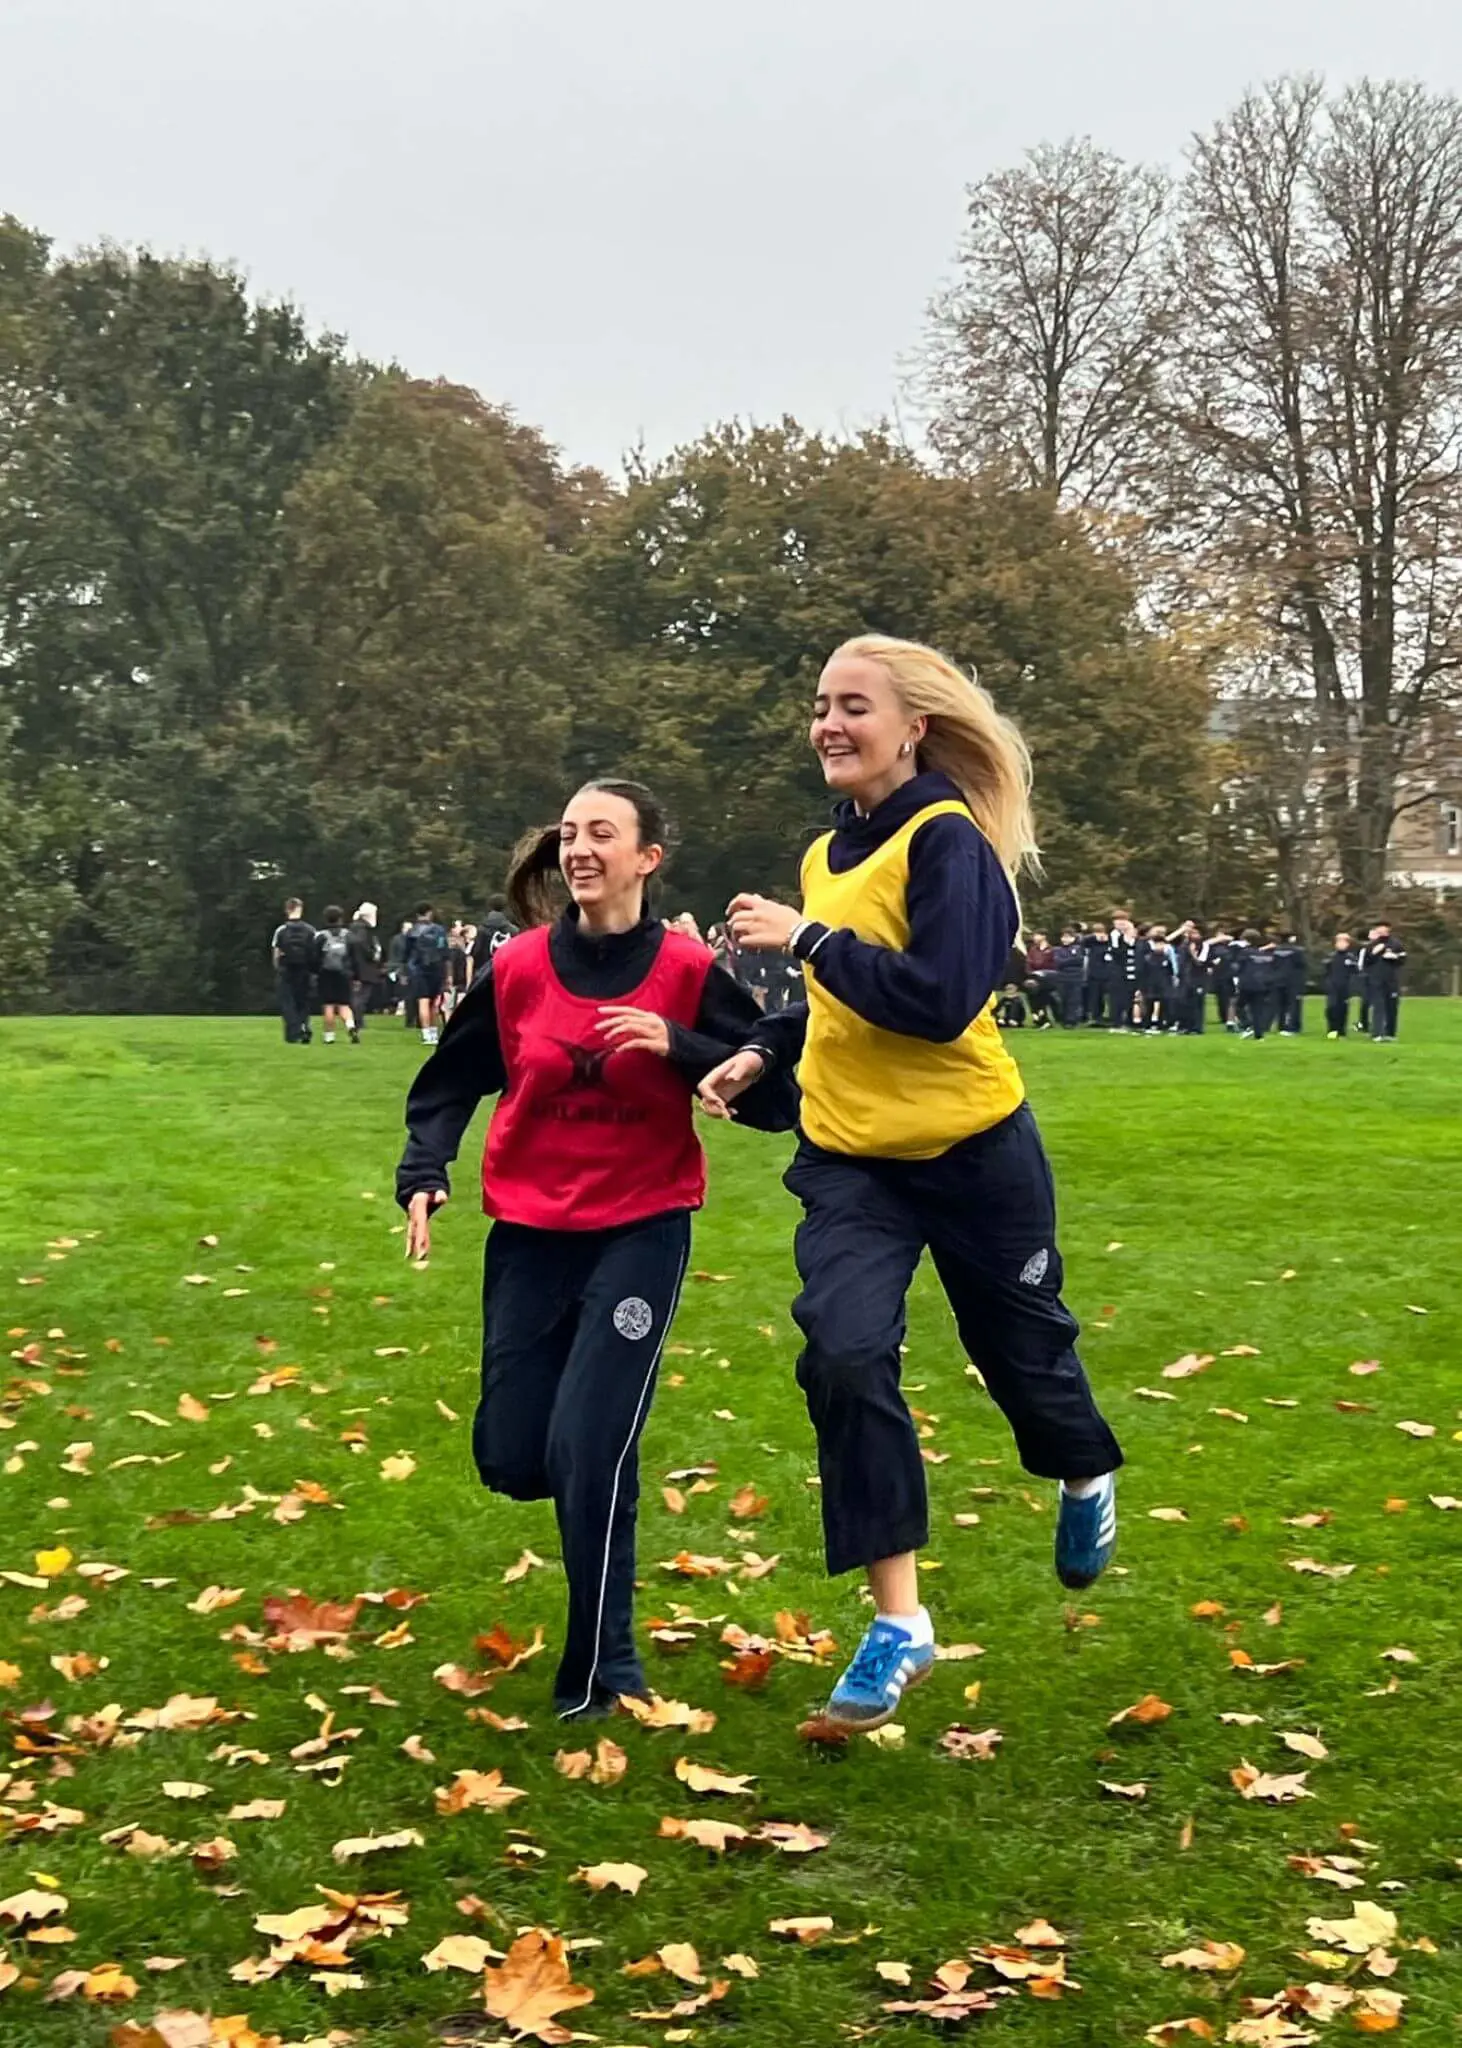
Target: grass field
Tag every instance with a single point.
(1299, 1198)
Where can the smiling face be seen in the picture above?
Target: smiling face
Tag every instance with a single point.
(860, 730)
(600, 854)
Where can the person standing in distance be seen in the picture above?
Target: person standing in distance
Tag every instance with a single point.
(1339, 986)
(366, 986)
(594, 1032)
(1381, 964)
(916, 1133)
(426, 971)
(292, 950)
(335, 973)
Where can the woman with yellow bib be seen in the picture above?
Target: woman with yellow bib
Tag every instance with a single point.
(916, 1133)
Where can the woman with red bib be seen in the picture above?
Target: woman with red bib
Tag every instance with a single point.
(594, 1031)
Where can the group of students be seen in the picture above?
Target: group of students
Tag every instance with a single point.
(1128, 977)
(422, 973)
(598, 1026)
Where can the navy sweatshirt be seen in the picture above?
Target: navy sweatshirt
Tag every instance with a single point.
(963, 919)
(468, 1060)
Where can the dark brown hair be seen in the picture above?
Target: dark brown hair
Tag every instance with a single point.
(532, 883)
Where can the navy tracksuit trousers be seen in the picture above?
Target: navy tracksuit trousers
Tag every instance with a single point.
(986, 1211)
(573, 1325)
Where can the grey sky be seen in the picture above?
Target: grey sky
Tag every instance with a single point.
(631, 218)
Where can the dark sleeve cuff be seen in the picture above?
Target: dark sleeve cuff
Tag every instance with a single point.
(809, 938)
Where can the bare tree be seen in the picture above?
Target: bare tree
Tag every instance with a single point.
(1042, 353)
(1317, 384)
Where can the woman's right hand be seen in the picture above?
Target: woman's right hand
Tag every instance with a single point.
(723, 1084)
(418, 1222)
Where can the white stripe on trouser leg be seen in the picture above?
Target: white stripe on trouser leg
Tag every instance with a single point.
(614, 1490)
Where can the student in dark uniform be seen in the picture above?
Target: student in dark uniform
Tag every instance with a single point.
(1381, 964)
(426, 971)
(1256, 985)
(1011, 1011)
(336, 969)
(369, 986)
(1070, 964)
(1290, 968)
(594, 1032)
(916, 1134)
(1096, 981)
(1224, 955)
(1193, 972)
(1340, 978)
(495, 930)
(1157, 969)
(292, 949)
(1121, 967)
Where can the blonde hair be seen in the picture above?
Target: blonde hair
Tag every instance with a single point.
(967, 739)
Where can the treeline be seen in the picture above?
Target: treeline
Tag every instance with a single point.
(275, 619)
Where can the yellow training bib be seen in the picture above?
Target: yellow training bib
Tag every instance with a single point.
(880, 1094)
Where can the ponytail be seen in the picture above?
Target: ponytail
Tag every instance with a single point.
(532, 871)
(533, 878)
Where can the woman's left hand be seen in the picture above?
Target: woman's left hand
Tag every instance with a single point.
(631, 1030)
(762, 925)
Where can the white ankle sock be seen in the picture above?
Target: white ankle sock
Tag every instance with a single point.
(918, 1626)
(329, 1038)
(1080, 1489)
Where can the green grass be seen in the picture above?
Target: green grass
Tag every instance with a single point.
(1293, 1196)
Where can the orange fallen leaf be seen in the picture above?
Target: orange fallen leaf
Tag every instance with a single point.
(1278, 1791)
(701, 1778)
(531, 1985)
(476, 1788)
(1145, 1712)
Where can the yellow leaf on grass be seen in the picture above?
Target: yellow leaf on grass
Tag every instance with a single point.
(368, 1845)
(400, 1466)
(1369, 1926)
(701, 1778)
(1278, 1791)
(1304, 1745)
(807, 1929)
(191, 1409)
(625, 1877)
(50, 1564)
(1209, 1955)
(716, 1835)
(460, 1952)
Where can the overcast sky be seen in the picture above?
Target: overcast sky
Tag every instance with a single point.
(628, 218)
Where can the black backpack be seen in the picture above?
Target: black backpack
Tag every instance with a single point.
(295, 944)
(428, 945)
(335, 951)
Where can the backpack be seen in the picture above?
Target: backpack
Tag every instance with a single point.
(295, 943)
(428, 945)
(335, 952)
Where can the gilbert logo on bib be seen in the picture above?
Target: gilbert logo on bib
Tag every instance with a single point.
(633, 1318)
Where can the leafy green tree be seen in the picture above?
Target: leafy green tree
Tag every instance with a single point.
(725, 576)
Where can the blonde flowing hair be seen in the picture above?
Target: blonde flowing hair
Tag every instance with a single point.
(967, 739)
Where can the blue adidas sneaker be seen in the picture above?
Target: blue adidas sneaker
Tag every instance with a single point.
(1086, 1534)
(886, 1662)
